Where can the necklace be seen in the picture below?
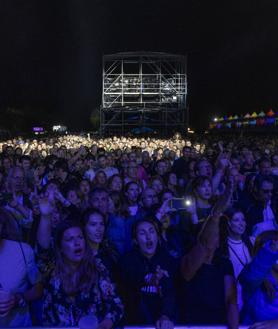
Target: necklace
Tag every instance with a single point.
(243, 261)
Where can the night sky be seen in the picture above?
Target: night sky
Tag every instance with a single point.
(51, 52)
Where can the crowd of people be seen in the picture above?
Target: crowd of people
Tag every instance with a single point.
(139, 231)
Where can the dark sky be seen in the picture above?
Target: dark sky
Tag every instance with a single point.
(51, 52)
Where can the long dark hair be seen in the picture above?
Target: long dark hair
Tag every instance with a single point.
(86, 275)
(224, 232)
(151, 220)
(106, 249)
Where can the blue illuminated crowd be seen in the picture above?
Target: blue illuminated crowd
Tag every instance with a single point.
(139, 231)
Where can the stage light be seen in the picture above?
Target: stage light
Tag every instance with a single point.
(215, 119)
(59, 128)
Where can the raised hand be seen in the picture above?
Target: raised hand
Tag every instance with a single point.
(164, 209)
(224, 200)
(160, 273)
(191, 205)
(46, 204)
(59, 197)
(14, 203)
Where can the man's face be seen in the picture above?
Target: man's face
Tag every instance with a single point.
(161, 168)
(145, 157)
(102, 162)
(186, 152)
(235, 163)
(99, 201)
(84, 187)
(7, 163)
(266, 191)
(79, 165)
(132, 169)
(147, 239)
(110, 161)
(9, 150)
(26, 164)
(132, 156)
(133, 192)
(204, 169)
(17, 180)
(265, 168)
(149, 198)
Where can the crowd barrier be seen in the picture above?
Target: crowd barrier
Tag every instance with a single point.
(143, 327)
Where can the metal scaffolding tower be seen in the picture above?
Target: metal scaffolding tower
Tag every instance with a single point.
(145, 92)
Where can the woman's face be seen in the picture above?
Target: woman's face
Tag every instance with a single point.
(147, 239)
(133, 192)
(173, 179)
(204, 191)
(237, 223)
(157, 186)
(84, 187)
(41, 170)
(116, 184)
(73, 197)
(132, 170)
(191, 168)
(73, 245)
(101, 178)
(95, 228)
(52, 188)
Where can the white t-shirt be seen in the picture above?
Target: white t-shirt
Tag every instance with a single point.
(268, 223)
(240, 257)
(268, 213)
(17, 272)
(110, 171)
(89, 174)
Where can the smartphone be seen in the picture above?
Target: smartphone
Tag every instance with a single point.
(179, 203)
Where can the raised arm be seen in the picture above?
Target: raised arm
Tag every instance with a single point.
(231, 302)
(44, 228)
(204, 246)
(208, 238)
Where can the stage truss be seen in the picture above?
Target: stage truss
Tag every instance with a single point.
(143, 91)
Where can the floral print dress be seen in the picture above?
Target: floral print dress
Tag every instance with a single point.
(60, 309)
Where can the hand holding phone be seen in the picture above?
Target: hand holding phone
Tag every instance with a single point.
(180, 203)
